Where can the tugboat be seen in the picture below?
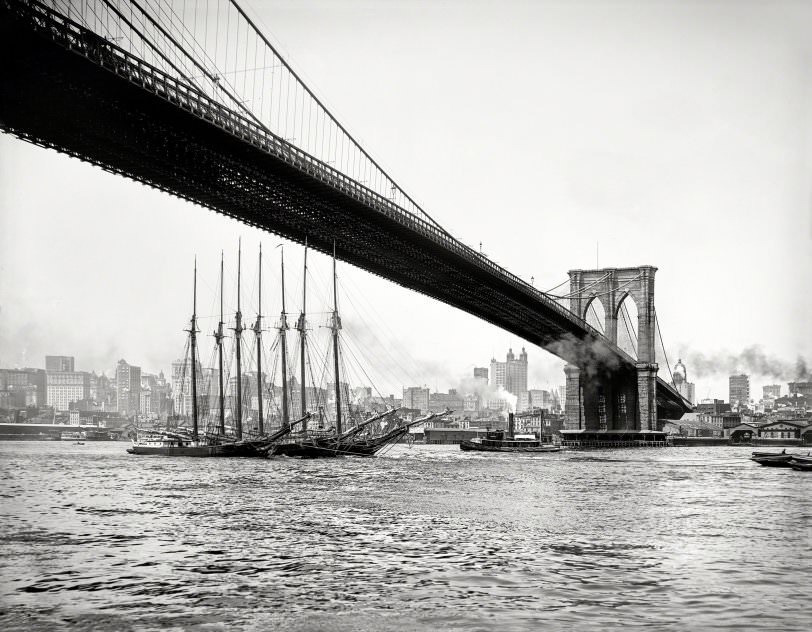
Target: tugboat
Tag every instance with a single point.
(498, 441)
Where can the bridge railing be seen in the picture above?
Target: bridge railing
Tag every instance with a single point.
(107, 54)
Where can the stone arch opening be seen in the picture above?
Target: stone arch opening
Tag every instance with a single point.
(628, 325)
(595, 314)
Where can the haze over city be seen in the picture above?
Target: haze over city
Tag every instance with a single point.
(707, 178)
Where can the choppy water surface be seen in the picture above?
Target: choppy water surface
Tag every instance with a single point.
(426, 537)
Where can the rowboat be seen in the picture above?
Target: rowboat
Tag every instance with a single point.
(773, 459)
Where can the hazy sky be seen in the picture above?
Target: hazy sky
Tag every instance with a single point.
(676, 134)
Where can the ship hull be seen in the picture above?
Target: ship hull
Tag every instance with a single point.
(307, 449)
(225, 450)
(327, 448)
(470, 446)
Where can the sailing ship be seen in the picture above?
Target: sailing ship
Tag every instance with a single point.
(350, 433)
(499, 441)
(357, 440)
(203, 443)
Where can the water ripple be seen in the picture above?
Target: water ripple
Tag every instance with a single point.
(425, 538)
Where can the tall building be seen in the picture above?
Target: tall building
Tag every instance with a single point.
(800, 388)
(128, 388)
(442, 401)
(181, 384)
(772, 391)
(681, 383)
(540, 399)
(59, 364)
(417, 398)
(20, 388)
(510, 374)
(739, 391)
(481, 373)
(67, 387)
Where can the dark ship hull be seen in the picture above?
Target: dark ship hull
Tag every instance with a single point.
(505, 446)
(769, 459)
(242, 449)
(330, 447)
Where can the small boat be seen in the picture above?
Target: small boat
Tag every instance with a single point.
(801, 463)
(499, 441)
(79, 443)
(773, 459)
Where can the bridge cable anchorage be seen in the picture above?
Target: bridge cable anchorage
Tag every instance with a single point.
(665, 353)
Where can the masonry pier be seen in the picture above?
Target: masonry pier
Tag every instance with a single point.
(608, 404)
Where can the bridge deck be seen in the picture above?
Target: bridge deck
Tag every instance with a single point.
(70, 90)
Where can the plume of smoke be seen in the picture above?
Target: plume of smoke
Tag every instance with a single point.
(751, 360)
(591, 356)
(486, 392)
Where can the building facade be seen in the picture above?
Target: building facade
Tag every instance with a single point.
(417, 398)
(772, 391)
(66, 388)
(59, 364)
(800, 388)
(128, 388)
(511, 374)
(739, 391)
(684, 387)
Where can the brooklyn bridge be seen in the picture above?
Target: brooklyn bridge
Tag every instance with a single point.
(199, 104)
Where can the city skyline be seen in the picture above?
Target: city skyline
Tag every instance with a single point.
(670, 172)
(488, 387)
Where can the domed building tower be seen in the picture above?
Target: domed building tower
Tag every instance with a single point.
(681, 383)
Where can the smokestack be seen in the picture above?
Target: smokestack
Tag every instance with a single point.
(511, 425)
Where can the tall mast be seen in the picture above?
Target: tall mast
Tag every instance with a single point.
(335, 327)
(258, 334)
(193, 345)
(283, 326)
(238, 329)
(218, 336)
(301, 326)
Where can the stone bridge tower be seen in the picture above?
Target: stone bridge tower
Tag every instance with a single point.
(625, 401)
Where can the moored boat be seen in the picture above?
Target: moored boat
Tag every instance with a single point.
(801, 463)
(197, 441)
(773, 459)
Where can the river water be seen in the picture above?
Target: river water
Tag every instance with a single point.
(423, 538)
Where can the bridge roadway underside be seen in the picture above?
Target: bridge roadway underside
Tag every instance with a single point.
(58, 99)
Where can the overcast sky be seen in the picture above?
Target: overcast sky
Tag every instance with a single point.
(676, 134)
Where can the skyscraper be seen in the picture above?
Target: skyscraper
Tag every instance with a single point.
(128, 388)
(772, 391)
(510, 374)
(739, 391)
(481, 372)
(416, 398)
(59, 364)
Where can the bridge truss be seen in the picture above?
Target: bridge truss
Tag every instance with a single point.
(152, 90)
